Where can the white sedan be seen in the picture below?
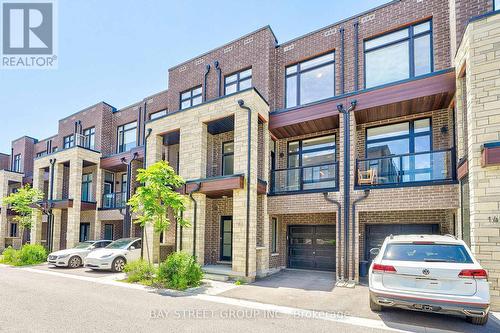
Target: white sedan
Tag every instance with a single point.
(114, 256)
(429, 273)
(74, 257)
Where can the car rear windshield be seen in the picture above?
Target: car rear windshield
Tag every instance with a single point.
(427, 252)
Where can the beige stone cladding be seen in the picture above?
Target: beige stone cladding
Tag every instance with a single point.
(7, 181)
(79, 159)
(192, 124)
(478, 68)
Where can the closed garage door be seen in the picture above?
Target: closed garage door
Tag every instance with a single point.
(311, 247)
(376, 233)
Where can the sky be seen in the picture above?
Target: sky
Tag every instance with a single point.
(119, 51)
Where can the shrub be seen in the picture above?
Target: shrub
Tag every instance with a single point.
(180, 271)
(29, 254)
(10, 255)
(140, 270)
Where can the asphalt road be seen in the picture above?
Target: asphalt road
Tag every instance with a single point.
(35, 302)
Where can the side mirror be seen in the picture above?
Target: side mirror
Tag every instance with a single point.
(375, 251)
(132, 248)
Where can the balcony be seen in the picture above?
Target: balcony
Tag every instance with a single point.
(305, 179)
(114, 200)
(415, 169)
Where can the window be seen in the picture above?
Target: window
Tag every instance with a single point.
(310, 81)
(228, 158)
(127, 137)
(17, 163)
(310, 163)
(84, 232)
(13, 230)
(54, 149)
(68, 141)
(124, 183)
(191, 97)
(87, 187)
(89, 141)
(274, 235)
(398, 55)
(158, 114)
(238, 81)
(496, 5)
(109, 182)
(108, 231)
(400, 139)
(40, 154)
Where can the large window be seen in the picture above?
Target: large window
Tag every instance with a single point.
(228, 158)
(401, 139)
(68, 141)
(17, 163)
(310, 163)
(158, 114)
(496, 5)
(191, 97)
(87, 187)
(127, 137)
(89, 135)
(310, 81)
(238, 81)
(399, 55)
(13, 230)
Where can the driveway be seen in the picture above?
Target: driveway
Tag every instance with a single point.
(82, 271)
(313, 290)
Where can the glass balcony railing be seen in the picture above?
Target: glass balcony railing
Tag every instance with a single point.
(399, 170)
(305, 178)
(114, 200)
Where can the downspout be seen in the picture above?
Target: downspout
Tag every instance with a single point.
(347, 187)
(50, 231)
(219, 77)
(195, 204)
(365, 195)
(144, 166)
(339, 214)
(139, 126)
(241, 103)
(144, 119)
(342, 57)
(11, 159)
(207, 70)
(356, 56)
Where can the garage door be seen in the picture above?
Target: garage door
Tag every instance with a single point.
(376, 233)
(311, 247)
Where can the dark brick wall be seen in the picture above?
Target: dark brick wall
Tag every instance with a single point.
(4, 161)
(26, 147)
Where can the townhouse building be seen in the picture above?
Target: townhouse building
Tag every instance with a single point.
(305, 154)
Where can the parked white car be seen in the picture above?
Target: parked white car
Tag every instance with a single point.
(429, 273)
(74, 257)
(114, 256)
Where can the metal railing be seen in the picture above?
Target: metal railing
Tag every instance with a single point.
(114, 200)
(305, 178)
(398, 170)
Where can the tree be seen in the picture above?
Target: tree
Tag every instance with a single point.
(157, 201)
(22, 202)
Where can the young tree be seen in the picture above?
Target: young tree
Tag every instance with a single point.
(22, 202)
(157, 200)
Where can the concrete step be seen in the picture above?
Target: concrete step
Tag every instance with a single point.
(216, 277)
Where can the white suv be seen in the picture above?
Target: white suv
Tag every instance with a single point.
(429, 273)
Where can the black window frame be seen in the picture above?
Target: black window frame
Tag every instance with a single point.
(16, 167)
(224, 155)
(299, 72)
(69, 141)
(300, 152)
(120, 134)
(158, 114)
(191, 97)
(13, 232)
(411, 59)
(88, 184)
(89, 134)
(274, 235)
(238, 80)
(112, 231)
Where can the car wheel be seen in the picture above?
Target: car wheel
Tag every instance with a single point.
(74, 262)
(375, 306)
(478, 320)
(118, 264)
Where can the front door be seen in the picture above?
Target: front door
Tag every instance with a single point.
(84, 232)
(226, 238)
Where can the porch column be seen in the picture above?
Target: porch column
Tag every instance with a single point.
(263, 165)
(56, 241)
(74, 213)
(243, 265)
(4, 225)
(36, 226)
(98, 198)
